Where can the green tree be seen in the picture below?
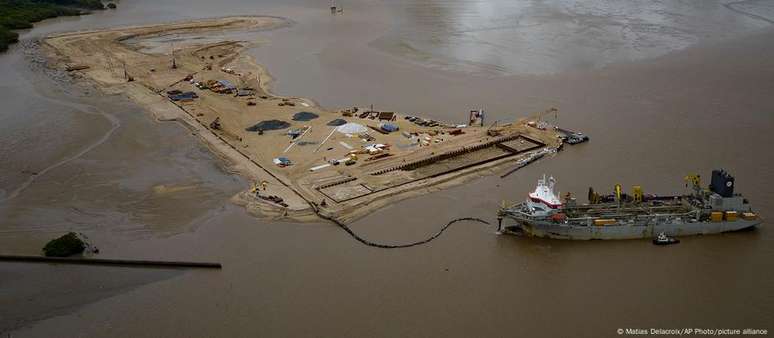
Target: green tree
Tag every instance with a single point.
(20, 14)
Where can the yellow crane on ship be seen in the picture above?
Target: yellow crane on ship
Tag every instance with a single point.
(695, 181)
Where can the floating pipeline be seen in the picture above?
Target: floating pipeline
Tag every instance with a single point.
(407, 245)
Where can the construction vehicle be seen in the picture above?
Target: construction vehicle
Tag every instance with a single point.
(492, 131)
(215, 124)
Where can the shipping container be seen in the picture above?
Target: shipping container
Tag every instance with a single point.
(716, 216)
(604, 221)
(730, 216)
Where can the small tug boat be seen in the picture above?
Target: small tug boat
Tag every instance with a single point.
(663, 239)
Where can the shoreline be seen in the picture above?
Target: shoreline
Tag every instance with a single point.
(298, 189)
(689, 94)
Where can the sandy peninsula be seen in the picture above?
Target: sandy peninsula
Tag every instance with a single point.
(303, 161)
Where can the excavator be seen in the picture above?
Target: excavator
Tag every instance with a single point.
(492, 131)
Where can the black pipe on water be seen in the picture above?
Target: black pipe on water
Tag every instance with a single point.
(113, 262)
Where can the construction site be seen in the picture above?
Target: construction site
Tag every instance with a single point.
(302, 161)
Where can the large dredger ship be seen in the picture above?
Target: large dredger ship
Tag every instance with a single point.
(621, 216)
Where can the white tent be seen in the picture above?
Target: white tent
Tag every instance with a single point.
(351, 128)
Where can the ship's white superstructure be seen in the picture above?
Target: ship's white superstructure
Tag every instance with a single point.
(544, 199)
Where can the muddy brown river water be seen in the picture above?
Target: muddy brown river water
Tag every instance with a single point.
(663, 89)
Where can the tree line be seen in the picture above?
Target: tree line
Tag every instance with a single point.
(20, 14)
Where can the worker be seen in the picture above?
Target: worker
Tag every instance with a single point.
(264, 184)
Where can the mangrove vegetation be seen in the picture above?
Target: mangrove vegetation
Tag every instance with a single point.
(20, 14)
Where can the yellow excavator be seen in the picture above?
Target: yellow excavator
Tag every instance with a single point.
(695, 181)
(258, 186)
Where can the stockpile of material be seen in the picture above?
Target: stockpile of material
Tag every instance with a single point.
(337, 122)
(269, 125)
(304, 116)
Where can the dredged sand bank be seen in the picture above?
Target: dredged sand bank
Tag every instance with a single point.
(335, 175)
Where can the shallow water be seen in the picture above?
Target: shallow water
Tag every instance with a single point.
(662, 88)
(537, 37)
